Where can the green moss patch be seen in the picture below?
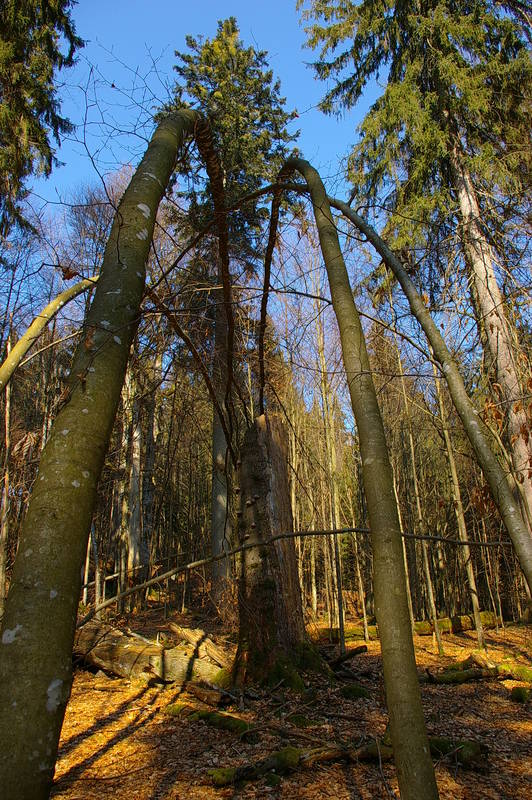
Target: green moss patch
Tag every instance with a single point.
(354, 691)
(520, 694)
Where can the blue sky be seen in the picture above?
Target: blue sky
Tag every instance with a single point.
(126, 39)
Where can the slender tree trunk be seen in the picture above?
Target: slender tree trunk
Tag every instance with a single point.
(330, 446)
(221, 533)
(17, 353)
(40, 615)
(465, 551)
(420, 526)
(4, 508)
(148, 483)
(497, 335)
(405, 555)
(137, 549)
(409, 737)
(494, 473)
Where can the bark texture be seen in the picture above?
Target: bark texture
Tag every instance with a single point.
(39, 621)
(409, 737)
(271, 616)
(131, 657)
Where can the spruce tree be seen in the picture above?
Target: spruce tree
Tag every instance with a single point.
(32, 35)
(232, 86)
(444, 151)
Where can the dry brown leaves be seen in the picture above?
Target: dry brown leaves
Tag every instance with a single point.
(118, 743)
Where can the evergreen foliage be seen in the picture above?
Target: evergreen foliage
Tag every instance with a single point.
(456, 75)
(32, 34)
(233, 87)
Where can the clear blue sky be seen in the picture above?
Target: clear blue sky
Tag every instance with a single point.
(124, 38)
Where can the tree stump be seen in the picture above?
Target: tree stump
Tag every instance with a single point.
(272, 632)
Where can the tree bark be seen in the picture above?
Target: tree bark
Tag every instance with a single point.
(271, 616)
(221, 533)
(40, 616)
(131, 657)
(4, 507)
(409, 737)
(477, 434)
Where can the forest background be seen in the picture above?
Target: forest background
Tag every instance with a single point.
(157, 501)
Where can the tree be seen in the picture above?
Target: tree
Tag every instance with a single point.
(233, 87)
(409, 736)
(30, 57)
(41, 609)
(442, 147)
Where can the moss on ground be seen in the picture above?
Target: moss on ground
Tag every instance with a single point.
(353, 691)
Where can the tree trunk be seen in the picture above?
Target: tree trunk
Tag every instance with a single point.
(496, 335)
(271, 617)
(415, 770)
(494, 473)
(40, 615)
(221, 533)
(4, 508)
(465, 551)
(17, 353)
(134, 658)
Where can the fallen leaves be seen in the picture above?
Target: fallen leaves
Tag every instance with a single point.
(118, 743)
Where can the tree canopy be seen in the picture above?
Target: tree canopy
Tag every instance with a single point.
(454, 73)
(33, 36)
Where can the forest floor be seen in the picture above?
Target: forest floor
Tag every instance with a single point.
(118, 742)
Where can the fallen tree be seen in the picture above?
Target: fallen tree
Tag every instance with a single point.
(478, 667)
(202, 644)
(467, 753)
(457, 624)
(132, 657)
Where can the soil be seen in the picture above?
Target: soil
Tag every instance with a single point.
(117, 742)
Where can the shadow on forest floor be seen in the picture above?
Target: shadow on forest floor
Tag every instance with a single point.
(118, 742)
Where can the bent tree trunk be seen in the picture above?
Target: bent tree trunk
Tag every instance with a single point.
(17, 353)
(475, 429)
(272, 630)
(415, 770)
(40, 616)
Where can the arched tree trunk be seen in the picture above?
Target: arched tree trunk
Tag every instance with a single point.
(495, 475)
(409, 737)
(40, 616)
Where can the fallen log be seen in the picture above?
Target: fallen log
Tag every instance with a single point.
(457, 624)
(353, 651)
(477, 667)
(202, 643)
(467, 753)
(104, 646)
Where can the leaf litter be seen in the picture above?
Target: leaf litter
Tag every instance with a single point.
(118, 742)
